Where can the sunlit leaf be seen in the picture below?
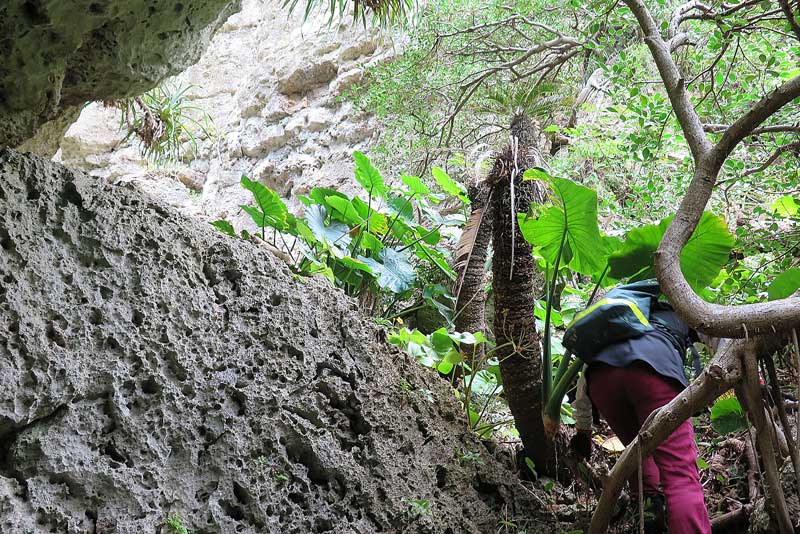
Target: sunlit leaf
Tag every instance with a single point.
(702, 258)
(785, 284)
(573, 217)
(368, 176)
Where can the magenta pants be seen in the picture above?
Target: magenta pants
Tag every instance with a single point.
(625, 396)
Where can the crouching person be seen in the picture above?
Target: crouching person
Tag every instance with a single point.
(626, 381)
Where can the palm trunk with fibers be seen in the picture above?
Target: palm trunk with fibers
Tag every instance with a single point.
(514, 324)
(473, 247)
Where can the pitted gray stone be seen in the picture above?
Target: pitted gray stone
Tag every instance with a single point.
(150, 365)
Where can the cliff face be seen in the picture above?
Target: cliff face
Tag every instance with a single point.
(272, 82)
(151, 366)
(55, 55)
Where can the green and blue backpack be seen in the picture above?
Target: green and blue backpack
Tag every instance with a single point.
(625, 312)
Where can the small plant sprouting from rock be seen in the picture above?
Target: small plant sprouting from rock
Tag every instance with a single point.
(471, 458)
(174, 525)
(162, 122)
(418, 507)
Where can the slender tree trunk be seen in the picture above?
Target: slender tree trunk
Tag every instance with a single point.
(515, 332)
(471, 304)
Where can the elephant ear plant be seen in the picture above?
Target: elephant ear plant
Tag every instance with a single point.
(372, 245)
(566, 235)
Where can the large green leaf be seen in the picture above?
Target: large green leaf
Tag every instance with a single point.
(368, 176)
(785, 284)
(415, 185)
(335, 235)
(321, 194)
(393, 269)
(450, 186)
(574, 211)
(727, 416)
(271, 209)
(706, 252)
(344, 210)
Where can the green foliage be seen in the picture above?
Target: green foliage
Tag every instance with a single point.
(785, 284)
(418, 507)
(727, 416)
(476, 379)
(706, 252)
(568, 227)
(174, 525)
(382, 12)
(164, 123)
(377, 246)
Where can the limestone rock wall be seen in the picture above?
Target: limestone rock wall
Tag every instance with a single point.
(272, 85)
(150, 365)
(55, 55)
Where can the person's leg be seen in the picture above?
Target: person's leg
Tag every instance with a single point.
(676, 457)
(608, 391)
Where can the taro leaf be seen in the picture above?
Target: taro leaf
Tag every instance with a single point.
(702, 258)
(344, 210)
(335, 235)
(378, 224)
(393, 269)
(727, 416)
(430, 237)
(449, 185)
(401, 206)
(574, 210)
(785, 206)
(536, 173)
(352, 263)
(785, 284)
(321, 194)
(450, 360)
(271, 209)
(441, 341)
(415, 185)
(368, 176)
(370, 242)
(225, 227)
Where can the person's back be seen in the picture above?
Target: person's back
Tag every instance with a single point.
(628, 380)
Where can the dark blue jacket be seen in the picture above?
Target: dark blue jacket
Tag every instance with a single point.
(655, 348)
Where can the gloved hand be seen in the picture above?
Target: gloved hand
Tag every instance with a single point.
(581, 443)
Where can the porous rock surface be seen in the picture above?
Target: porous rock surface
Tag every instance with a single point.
(55, 55)
(152, 366)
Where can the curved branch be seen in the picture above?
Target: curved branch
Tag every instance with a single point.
(747, 123)
(673, 81)
(774, 128)
(771, 159)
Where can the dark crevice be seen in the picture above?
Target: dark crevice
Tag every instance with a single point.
(7, 440)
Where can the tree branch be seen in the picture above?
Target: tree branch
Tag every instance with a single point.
(673, 81)
(747, 123)
(787, 10)
(775, 128)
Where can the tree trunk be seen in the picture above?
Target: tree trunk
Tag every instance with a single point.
(471, 304)
(518, 348)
